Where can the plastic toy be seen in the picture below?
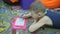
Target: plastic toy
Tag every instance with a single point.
(17, 24)
(51, 3)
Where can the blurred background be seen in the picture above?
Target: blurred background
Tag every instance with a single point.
(6, 15)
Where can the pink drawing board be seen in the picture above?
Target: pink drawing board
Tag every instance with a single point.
(19, 23)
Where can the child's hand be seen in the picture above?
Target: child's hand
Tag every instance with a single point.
(26, 16)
